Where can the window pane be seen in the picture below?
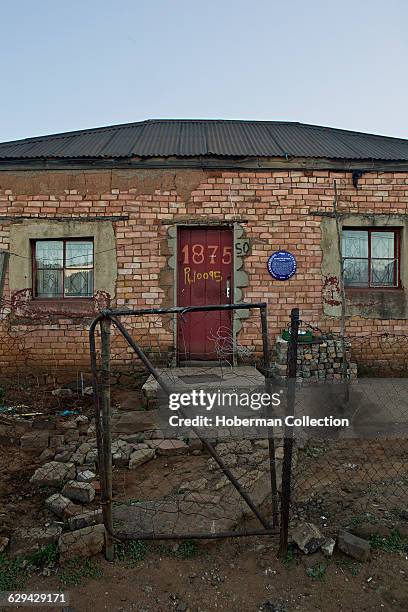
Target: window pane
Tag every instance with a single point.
(354, 243)
(382, 245)
(356, 272)
(49, 283)
(78, 283)
(49, 254)
(382, 272)
(79, 254)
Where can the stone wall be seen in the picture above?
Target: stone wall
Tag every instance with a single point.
(321, 360)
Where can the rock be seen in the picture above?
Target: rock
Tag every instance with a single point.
(308, 537)
(86, 519)
(169, 447)
(120, 460)
(79, 491)
(37, 440)
(88, 391)
(139, 457)
(63, 456)
(92, 457)
(353, 546)
(53, 473)
(71, 435)
(195, 445)
(26, 541)
(47, 455)
(84, 542)
(80, 454)
(3, 543)
(134, 422)
(328, 547)
(62, 392)
(61, 506)
(86, 476)
(366, 530)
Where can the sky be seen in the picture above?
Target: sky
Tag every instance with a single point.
(71, 65)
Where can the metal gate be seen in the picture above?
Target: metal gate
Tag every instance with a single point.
(101, 388)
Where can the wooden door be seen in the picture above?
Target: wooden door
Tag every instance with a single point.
(205, 265)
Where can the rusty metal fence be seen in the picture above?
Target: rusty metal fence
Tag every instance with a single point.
(244, 483)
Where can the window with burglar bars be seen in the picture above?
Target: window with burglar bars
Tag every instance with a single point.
(63, 268)
(371, 257)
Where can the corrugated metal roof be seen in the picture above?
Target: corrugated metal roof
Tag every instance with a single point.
(197, 138)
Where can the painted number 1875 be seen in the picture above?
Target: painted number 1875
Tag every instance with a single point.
(198, 254)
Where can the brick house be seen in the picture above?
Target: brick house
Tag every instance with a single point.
(163, 213)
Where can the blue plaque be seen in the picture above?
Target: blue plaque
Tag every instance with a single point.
(282, 265)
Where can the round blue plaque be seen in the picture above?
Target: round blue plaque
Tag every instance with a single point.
(282, 265)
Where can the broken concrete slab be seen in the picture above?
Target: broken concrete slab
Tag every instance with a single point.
(353, 546)
(53, 473)
(169, 447)
(86, 476)
(134, 422)
(84, 542)
(139, 457)
(86, 519)
(82, 492)
(308, 537)
(26, 541)
(62, 506)
(80, 454)
(328, 547)
(35, 441)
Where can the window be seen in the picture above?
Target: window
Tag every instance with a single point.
(371, 257)
(63, 268)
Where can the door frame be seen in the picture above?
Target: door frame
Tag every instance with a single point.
(206, 225)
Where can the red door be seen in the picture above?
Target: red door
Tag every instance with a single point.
(205, 264)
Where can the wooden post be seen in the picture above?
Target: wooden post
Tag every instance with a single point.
(106, 475)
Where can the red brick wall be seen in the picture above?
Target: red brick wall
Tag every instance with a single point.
(276, 206)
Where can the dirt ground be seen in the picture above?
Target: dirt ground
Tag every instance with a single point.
(334, 486)
(240, 575)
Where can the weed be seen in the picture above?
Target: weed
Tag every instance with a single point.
(290, 555)
(11, 573)
(317, 572)
(77, 570)
(132, 552)
(393, 543)
(364, 517)
(187, 549)
(44, 556)
(352, 566)
(314, 451)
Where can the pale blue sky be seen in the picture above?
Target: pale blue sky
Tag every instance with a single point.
(75, 64)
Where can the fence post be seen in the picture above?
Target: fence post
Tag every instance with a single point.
(271, 440)
(106, 476)
(288, 432)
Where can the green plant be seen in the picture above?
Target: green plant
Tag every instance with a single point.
(290, 555)
(187, 549)
(392, 543)
(352, 566)
(317, 572)
(131, 552)
(76, 570)
(314, 451)
(12, 574)
(44, 556)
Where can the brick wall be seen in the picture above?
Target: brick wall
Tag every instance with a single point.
(274, 208)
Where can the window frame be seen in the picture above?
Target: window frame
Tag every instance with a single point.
(397, 258)
(34, 269)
